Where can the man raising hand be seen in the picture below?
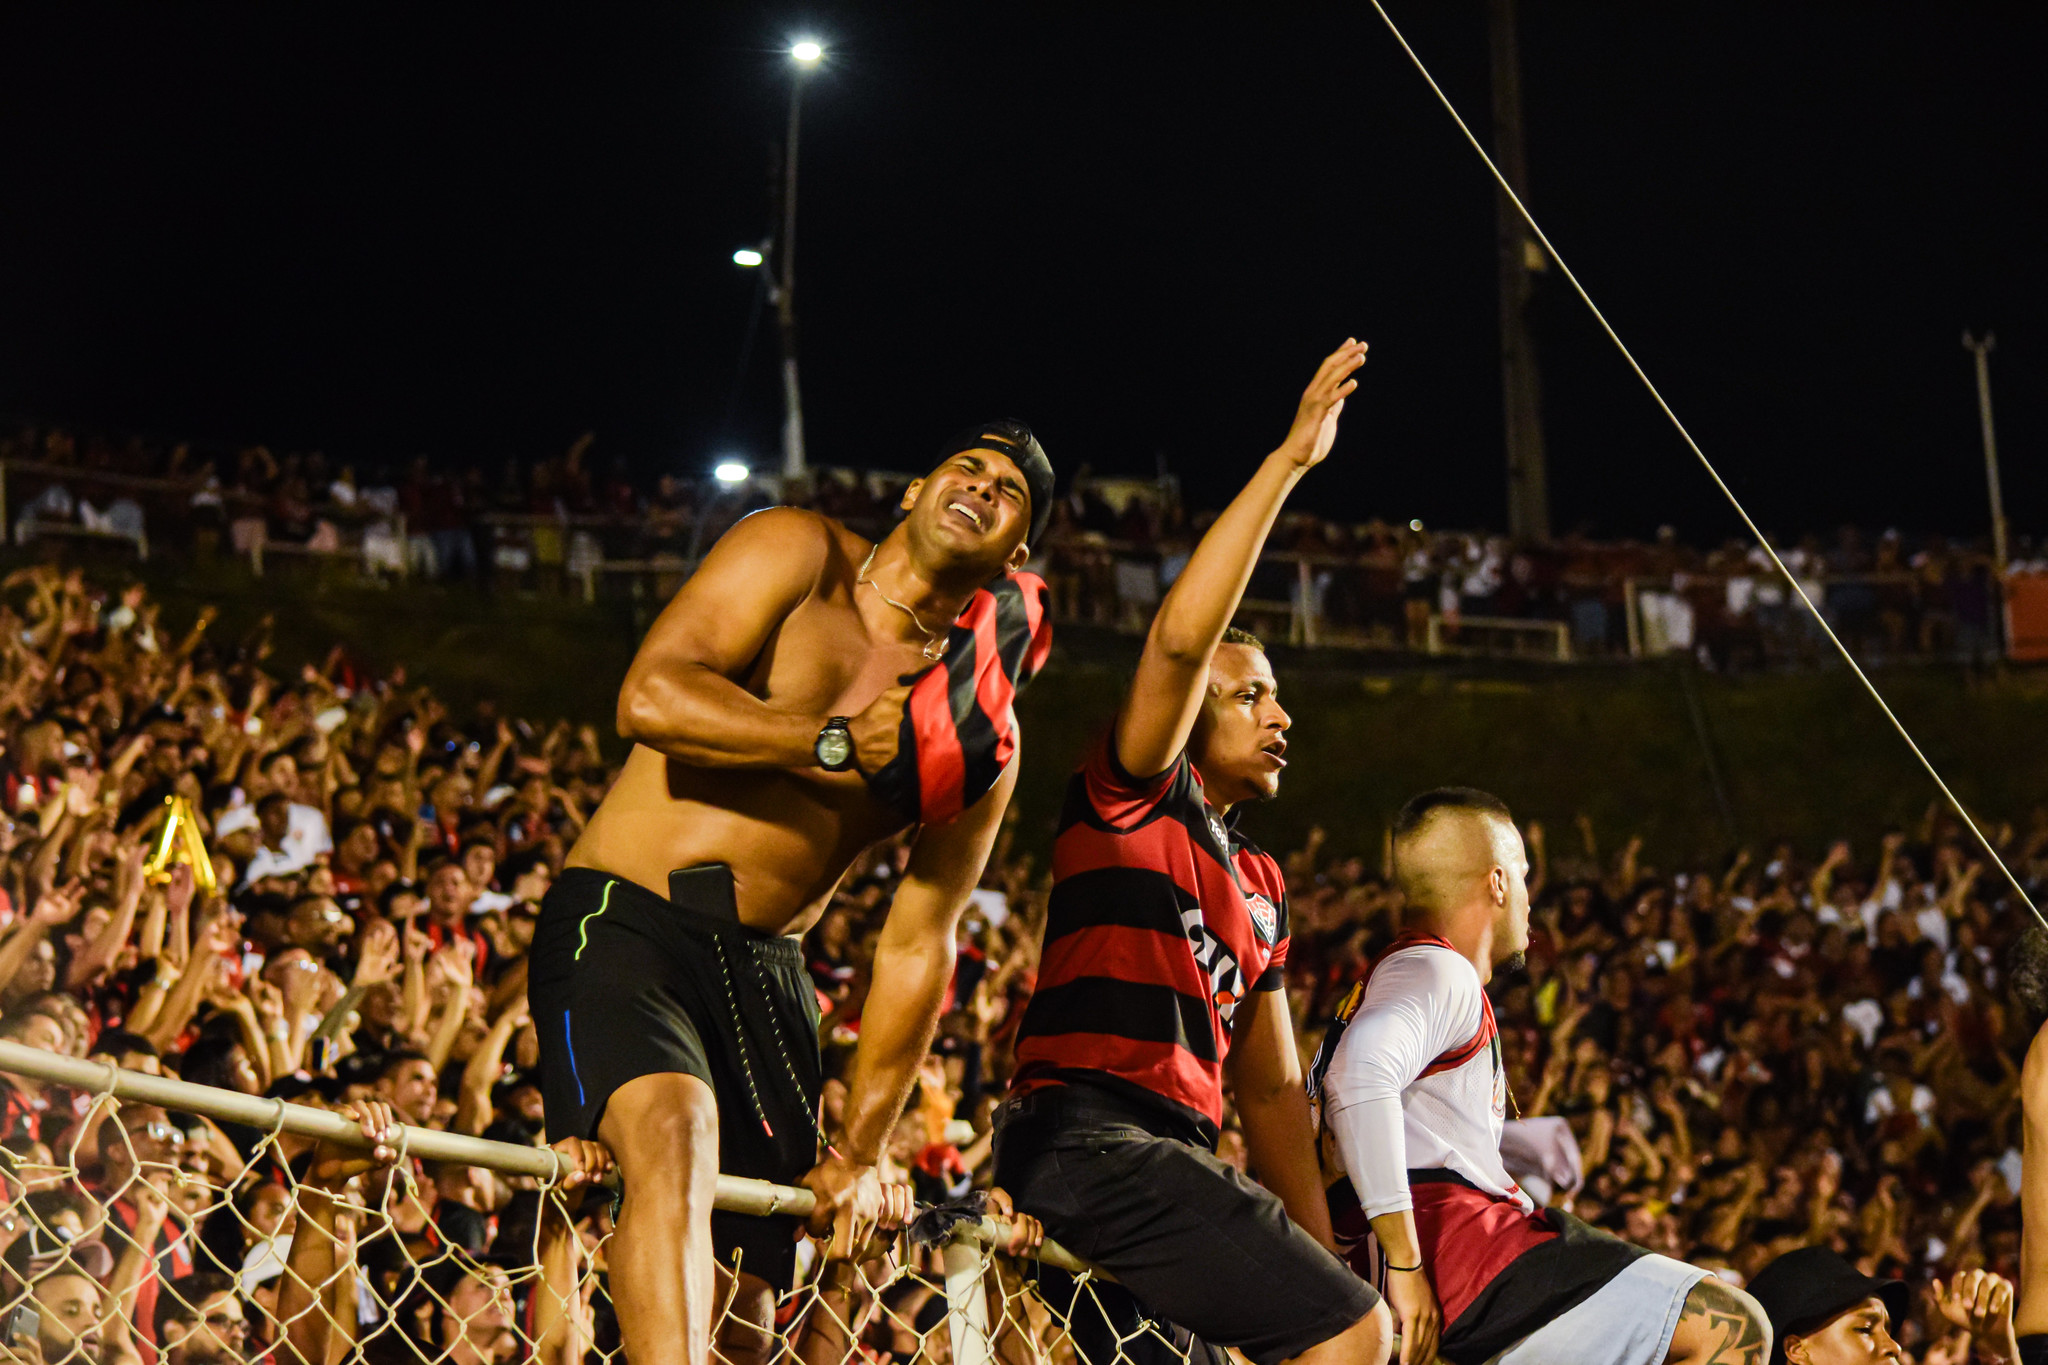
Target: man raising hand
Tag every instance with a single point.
(1164, 943)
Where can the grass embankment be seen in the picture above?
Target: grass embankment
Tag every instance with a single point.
(1639, 749)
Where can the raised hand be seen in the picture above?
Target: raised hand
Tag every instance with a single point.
(268, 999)
(217, 933)
(58, 906)
(302, 987)
(453, 963)
(1315, 421)
(1980, 1303)
(378, 960)
(83, 795)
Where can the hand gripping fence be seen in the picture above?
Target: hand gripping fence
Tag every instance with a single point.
(152, 1221)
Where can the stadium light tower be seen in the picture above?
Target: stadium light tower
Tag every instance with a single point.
(805, 54)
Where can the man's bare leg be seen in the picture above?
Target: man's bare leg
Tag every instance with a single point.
(1369, 1341)
(663, 1132)
(746, 1331)
(1720, 1325)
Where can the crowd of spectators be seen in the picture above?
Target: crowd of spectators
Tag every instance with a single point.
(1778, 1050)
(1112, 548)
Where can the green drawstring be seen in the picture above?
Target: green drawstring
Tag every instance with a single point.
(583, 929)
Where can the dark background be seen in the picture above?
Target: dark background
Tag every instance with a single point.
(476, 233)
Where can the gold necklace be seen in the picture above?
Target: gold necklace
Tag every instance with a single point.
(934, 643)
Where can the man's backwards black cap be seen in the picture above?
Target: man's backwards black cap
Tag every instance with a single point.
(1015, 440)
(1804, 1290)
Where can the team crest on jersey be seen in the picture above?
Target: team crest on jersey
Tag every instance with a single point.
(1264, 917)
(1226, 979)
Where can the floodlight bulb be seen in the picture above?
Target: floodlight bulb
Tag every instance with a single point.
(730, 471)
(747, 257)
(806, 51)
(1415, 525)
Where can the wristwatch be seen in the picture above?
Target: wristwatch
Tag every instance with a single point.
(834, 747)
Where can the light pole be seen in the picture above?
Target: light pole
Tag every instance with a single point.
(806, 54)
(1982, 351)
(1519, 261)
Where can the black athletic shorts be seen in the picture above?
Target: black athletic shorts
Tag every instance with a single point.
(626, 984)
(1198, 1245)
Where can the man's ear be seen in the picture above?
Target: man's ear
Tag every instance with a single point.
(910, 494)
(1795, 1351)
(1019, 557)
(1497, 882)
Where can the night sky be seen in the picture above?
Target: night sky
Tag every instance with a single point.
(1137, 227)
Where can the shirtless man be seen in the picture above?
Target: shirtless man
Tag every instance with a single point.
(677, 1023)
(1411, 1087)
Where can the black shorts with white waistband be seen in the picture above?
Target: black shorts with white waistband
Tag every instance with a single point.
(627, 984)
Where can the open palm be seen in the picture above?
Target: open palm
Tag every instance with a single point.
(1315, 421)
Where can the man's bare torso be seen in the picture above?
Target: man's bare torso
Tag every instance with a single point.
(788, 835)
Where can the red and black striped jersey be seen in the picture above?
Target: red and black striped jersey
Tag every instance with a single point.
(959, 727)
(1161, 919)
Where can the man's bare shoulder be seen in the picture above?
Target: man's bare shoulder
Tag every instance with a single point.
(787, 529)
(797, 537)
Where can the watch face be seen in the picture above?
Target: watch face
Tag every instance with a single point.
(835, 746)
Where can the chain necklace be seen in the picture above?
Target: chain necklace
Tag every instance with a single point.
(934, 641)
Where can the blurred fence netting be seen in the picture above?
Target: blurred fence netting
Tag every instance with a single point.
(149, 1220)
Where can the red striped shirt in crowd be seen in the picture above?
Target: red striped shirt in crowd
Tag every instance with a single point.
(1161, 919)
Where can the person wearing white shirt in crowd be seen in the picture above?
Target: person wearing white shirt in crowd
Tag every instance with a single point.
(305, 834)
(292, 836)
(1410, 1085)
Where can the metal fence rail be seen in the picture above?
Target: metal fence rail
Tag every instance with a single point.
(966, 1257)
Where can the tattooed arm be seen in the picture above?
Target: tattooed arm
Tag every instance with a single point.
(1720, 1325)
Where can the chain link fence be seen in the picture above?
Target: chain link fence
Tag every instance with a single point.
(153, 1220)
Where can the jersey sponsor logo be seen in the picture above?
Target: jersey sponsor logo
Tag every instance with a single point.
(1265, 918)
(1213, 956)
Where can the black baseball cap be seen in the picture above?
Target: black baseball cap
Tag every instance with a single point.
(1804, 1290)
(1012, 438)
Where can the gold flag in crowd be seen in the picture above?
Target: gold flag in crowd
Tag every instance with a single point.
(179, 842)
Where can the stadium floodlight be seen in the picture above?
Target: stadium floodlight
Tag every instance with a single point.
(746, 256)
(807, 51)
(1415, 525)
(730, 472)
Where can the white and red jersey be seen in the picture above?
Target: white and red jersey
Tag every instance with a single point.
(1409, 1083)
(1421, 1054)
